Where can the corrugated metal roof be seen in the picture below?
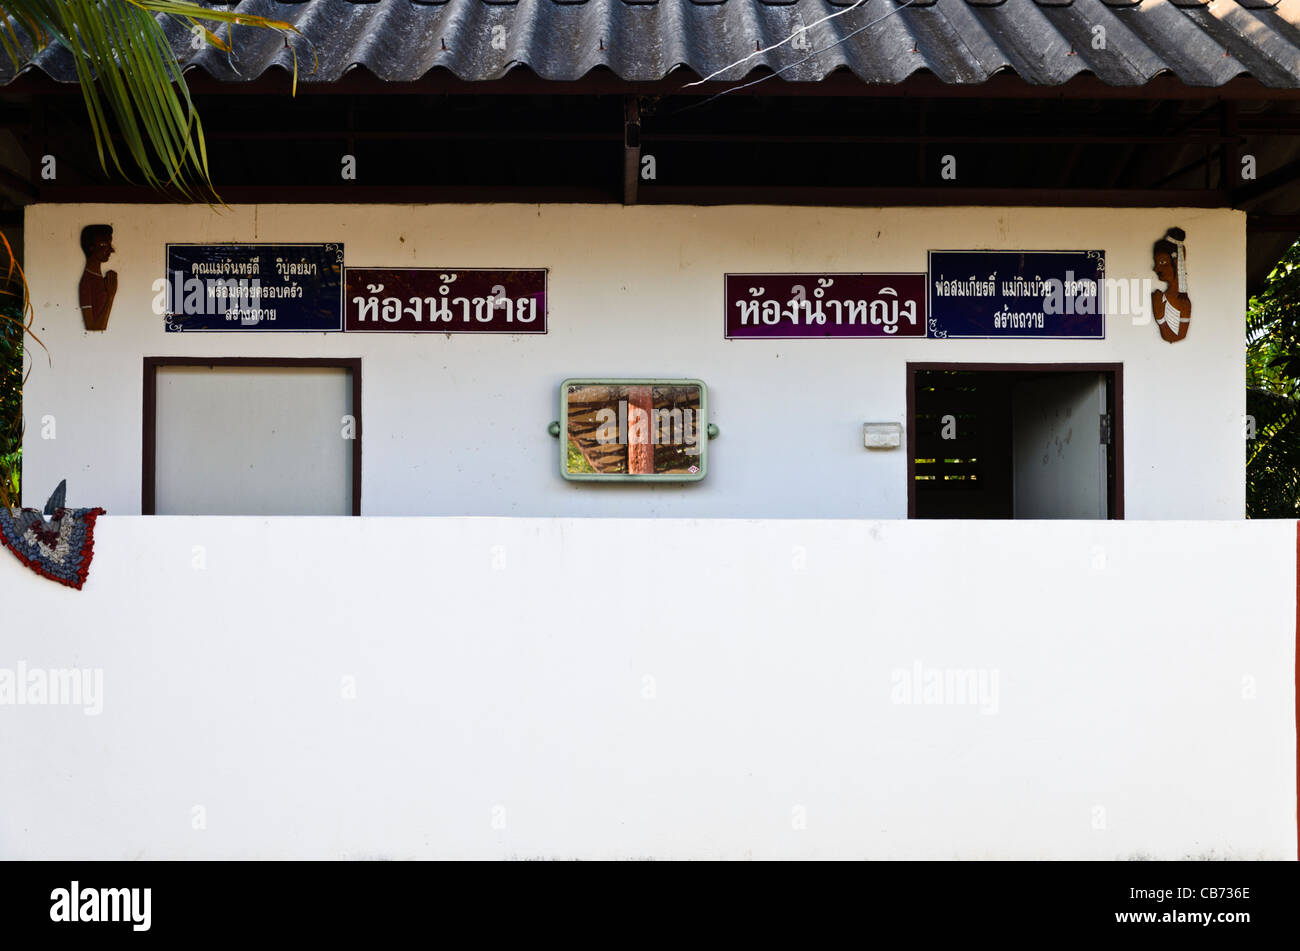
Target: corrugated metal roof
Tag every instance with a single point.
(1045, 42)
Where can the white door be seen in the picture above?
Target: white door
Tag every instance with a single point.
(1059, 459)
(253, 441)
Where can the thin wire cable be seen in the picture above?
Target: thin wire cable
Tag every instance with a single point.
(778, 72)
(768, 49)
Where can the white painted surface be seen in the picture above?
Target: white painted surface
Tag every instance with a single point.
(1059, 461)
(253, 441)
(1145, 700)
(457, 425)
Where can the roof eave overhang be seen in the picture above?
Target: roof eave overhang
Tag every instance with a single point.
(602, 81)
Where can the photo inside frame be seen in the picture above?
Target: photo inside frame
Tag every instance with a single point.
(634, 429)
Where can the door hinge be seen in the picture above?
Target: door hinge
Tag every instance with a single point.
(1105, 429)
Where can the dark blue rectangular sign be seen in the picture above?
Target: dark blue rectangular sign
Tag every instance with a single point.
(294, 287)
(1043, 295)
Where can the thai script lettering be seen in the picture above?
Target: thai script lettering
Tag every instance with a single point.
(228, 266)
(287, 268)
(415, 299)
(1027, 294)
(825, 302)
(968, 287)
(1030, 320)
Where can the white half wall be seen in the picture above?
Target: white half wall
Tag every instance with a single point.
(456, 424)
(324, 688)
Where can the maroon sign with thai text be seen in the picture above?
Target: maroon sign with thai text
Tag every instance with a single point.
(444, 300)
(782, 306)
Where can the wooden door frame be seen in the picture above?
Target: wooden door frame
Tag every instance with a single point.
(149, 435)
(1114, 406)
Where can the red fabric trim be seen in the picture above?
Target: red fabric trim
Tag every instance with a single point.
(83, 569)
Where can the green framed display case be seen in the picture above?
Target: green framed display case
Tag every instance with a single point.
(633, 430)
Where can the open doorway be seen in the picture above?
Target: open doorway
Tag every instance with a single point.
(1015, 440)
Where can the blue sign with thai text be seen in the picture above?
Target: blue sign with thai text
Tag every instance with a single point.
(1045, 295)
(287, 287)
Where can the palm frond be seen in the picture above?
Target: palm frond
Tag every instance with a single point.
(131, 80)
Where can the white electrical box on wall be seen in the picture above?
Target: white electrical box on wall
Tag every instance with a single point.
(882, 435)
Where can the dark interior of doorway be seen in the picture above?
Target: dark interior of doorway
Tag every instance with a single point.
(970, 474)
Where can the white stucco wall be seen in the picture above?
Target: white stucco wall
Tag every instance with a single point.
(457, 425)
(512, 695)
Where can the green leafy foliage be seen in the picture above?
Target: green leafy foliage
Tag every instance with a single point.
(130, 78)
(12, 329)
(11, 407)
(15, 323)
(1273, 393)
(577, 462)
